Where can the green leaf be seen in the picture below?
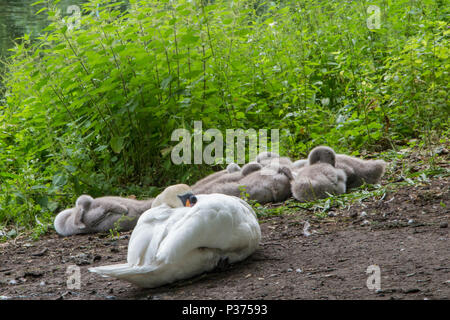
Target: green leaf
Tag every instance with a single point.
(37, 2)
(41, 10)
(240, 115)
(166, 81)
(117, 144)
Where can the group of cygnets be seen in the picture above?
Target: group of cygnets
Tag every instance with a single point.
(271, 178)
(186, 230)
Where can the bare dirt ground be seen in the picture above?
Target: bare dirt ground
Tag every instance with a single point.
(406, 234)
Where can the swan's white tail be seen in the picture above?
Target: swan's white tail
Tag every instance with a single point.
(122, 271)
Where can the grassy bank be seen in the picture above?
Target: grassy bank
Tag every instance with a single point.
(90, 106)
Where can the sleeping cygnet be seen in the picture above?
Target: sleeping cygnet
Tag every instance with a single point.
(272, 183)
(319, 177)
(360, 171)
(299, 164)
(233, 173)
(263, 184)
(99, 215)
(231, 168)
(266, 158)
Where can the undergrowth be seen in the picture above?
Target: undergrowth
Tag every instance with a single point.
(91, 108)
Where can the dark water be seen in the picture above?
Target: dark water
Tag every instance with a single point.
(18, 17)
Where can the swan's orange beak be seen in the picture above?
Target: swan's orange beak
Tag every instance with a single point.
(188, 203)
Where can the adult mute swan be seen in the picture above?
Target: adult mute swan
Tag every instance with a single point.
(99, 215)
(172, 242)
(319, 177)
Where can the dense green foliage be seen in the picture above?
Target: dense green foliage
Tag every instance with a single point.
(92, 109)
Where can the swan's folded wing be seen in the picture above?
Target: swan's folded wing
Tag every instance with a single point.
(209, 224)
(147, 235)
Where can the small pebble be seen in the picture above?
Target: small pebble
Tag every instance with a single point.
(42, 283)
(353, 214)
(331, 214)
(443, 225)
(12, 282)
(290, 270)
(111, 297)
(363, 214)
(298, 270)
(365, 222)
(411, 221)
(411, 290)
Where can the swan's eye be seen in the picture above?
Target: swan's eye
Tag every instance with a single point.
(192, 200)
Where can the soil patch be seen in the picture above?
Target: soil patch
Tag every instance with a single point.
(406, 234)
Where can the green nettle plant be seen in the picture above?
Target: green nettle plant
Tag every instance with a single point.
(89, 106)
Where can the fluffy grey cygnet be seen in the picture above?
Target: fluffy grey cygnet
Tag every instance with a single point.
(217, 181)
(264, 184)
(319, 177)
(299, 164)
(266, 158)
(99, 215)
(231, 168)
(270, 184)
(250, 168)
(360, 171)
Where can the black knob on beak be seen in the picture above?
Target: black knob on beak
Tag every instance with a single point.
(188, 199)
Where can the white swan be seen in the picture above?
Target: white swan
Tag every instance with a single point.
(170, 244)
(319, 177)
(99, 215)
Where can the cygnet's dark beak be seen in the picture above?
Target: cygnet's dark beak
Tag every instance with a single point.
(188, 199)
